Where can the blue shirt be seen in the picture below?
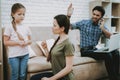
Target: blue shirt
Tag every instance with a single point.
(89, 32)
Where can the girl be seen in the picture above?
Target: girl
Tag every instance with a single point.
(17, 37)
(61, 53)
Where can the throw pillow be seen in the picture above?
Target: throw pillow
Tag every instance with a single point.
(31, 52)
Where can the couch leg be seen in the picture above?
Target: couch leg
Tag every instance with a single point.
(28, 76)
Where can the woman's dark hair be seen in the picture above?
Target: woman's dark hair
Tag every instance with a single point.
(63, 21)
(49, 55)
(99, 8)
(14, 9)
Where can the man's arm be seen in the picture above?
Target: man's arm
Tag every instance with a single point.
(106, 33)
(69, 14)
(70, 10)
(75, 25)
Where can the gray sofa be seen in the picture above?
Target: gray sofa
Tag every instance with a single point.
(84, 68)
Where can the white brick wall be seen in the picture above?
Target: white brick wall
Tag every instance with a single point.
(41, 12)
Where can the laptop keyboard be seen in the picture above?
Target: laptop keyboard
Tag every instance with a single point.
(105, 49)
(102, 49)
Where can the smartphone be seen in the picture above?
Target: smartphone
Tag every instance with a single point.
(101, 20)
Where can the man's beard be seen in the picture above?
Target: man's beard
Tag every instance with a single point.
(96, 21)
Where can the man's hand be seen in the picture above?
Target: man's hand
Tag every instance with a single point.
(102, 22)
(70, 10)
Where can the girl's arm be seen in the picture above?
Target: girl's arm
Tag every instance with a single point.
(64, 71)
(8, 42)
(28, 42)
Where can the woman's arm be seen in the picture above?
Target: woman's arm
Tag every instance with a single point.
(64, 71)
(44, 46)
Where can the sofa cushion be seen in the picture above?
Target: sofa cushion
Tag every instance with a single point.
(31, 52)
(37, 64)
(82, 60)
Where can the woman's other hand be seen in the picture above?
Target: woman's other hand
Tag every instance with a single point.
(44, 44)
(45, 78)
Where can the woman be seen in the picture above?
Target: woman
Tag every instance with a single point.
(61, 53)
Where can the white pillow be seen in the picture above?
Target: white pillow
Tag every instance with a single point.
(31, 52)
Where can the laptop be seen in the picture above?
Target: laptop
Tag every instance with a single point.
(113, 44)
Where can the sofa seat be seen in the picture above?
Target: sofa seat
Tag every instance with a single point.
(82, 60)
(39, 63)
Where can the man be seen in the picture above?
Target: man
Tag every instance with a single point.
(90, 33)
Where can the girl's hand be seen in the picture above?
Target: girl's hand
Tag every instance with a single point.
(102, 22)
(25, 43)
(70, 10)
(44, 44)
(21, 43)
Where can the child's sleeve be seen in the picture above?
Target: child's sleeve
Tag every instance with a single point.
(7, 31)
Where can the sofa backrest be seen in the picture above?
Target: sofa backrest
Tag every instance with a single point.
(44, 33)
(40, 34)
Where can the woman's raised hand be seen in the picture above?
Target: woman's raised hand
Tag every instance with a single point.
(44, 44)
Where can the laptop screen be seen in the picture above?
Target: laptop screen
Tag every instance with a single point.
(114, 42)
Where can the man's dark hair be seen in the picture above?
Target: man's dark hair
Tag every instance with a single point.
(99, 8)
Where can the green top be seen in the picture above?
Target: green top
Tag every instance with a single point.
(58, 61)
